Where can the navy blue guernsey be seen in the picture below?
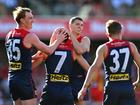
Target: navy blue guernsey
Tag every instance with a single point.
(78, 71)
(19, 56)
(59, 65)
(79, 75)
(57, 90)
(119, 61)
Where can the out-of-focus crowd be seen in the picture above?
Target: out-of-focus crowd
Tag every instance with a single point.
(84, 8)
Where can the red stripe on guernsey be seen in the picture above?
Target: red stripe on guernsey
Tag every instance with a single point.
(22, 33)
(117, 43)
(66, 45)
(18, 33)
(80, 38)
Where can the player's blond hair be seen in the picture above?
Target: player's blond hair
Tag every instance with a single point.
(19, 13)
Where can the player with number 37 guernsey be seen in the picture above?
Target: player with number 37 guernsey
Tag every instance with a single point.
(117, 56)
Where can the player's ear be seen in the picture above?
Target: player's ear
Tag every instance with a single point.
(107, 35)
(22, 20)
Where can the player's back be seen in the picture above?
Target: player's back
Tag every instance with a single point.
(59, 64)
(21, 84)
(59, 70)
(119, 61)
(118, 64)
(19, 57)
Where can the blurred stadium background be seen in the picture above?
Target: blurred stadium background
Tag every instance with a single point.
(50, 14)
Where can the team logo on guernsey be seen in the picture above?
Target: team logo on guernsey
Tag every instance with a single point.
(59, 78)
(15, 66)
(118, 77)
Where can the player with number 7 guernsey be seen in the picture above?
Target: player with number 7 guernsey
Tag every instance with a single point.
(117, 56)
(59, 66)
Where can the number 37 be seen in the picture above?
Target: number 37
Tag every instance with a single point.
(116, 55)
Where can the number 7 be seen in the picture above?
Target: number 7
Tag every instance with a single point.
(61, 61)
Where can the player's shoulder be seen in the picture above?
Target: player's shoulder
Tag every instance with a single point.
(85, 37)
(31, 38)
(102, 48)
(31, 35)
(132, 45)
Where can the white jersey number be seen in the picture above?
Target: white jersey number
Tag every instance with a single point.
(116, 54)
(12, 49)
(61, 61)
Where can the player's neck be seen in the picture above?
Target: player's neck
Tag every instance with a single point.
(20, 26)
(76, 34)
(115, 37)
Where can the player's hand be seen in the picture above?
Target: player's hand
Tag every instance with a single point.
(39, 55)
(82, 93)
(61, 34)
(135, 85)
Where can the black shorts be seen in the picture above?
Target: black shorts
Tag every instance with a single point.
(76, 87)
(23, 89)
(119, 94)
(57, 94)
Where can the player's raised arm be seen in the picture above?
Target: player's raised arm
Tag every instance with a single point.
(80, 43)
(33, 40)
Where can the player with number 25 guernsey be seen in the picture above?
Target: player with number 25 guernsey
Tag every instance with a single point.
(19, 58)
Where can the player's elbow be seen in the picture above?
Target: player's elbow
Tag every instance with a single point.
(80, 51)
(47, 51)
(50, 52)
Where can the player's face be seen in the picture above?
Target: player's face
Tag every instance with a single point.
(28, 20)
(77, 26)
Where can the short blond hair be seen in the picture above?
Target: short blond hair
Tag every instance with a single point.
(19, 13)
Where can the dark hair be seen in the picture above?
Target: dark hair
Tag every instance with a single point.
(113, 27)
(19, 13)
(72, 20)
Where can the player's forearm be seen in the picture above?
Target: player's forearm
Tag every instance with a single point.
(53, 46)
(137, 75)
(86, 66)
(89, 78)
(36, 62)
(77, 46)
(83, 62)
